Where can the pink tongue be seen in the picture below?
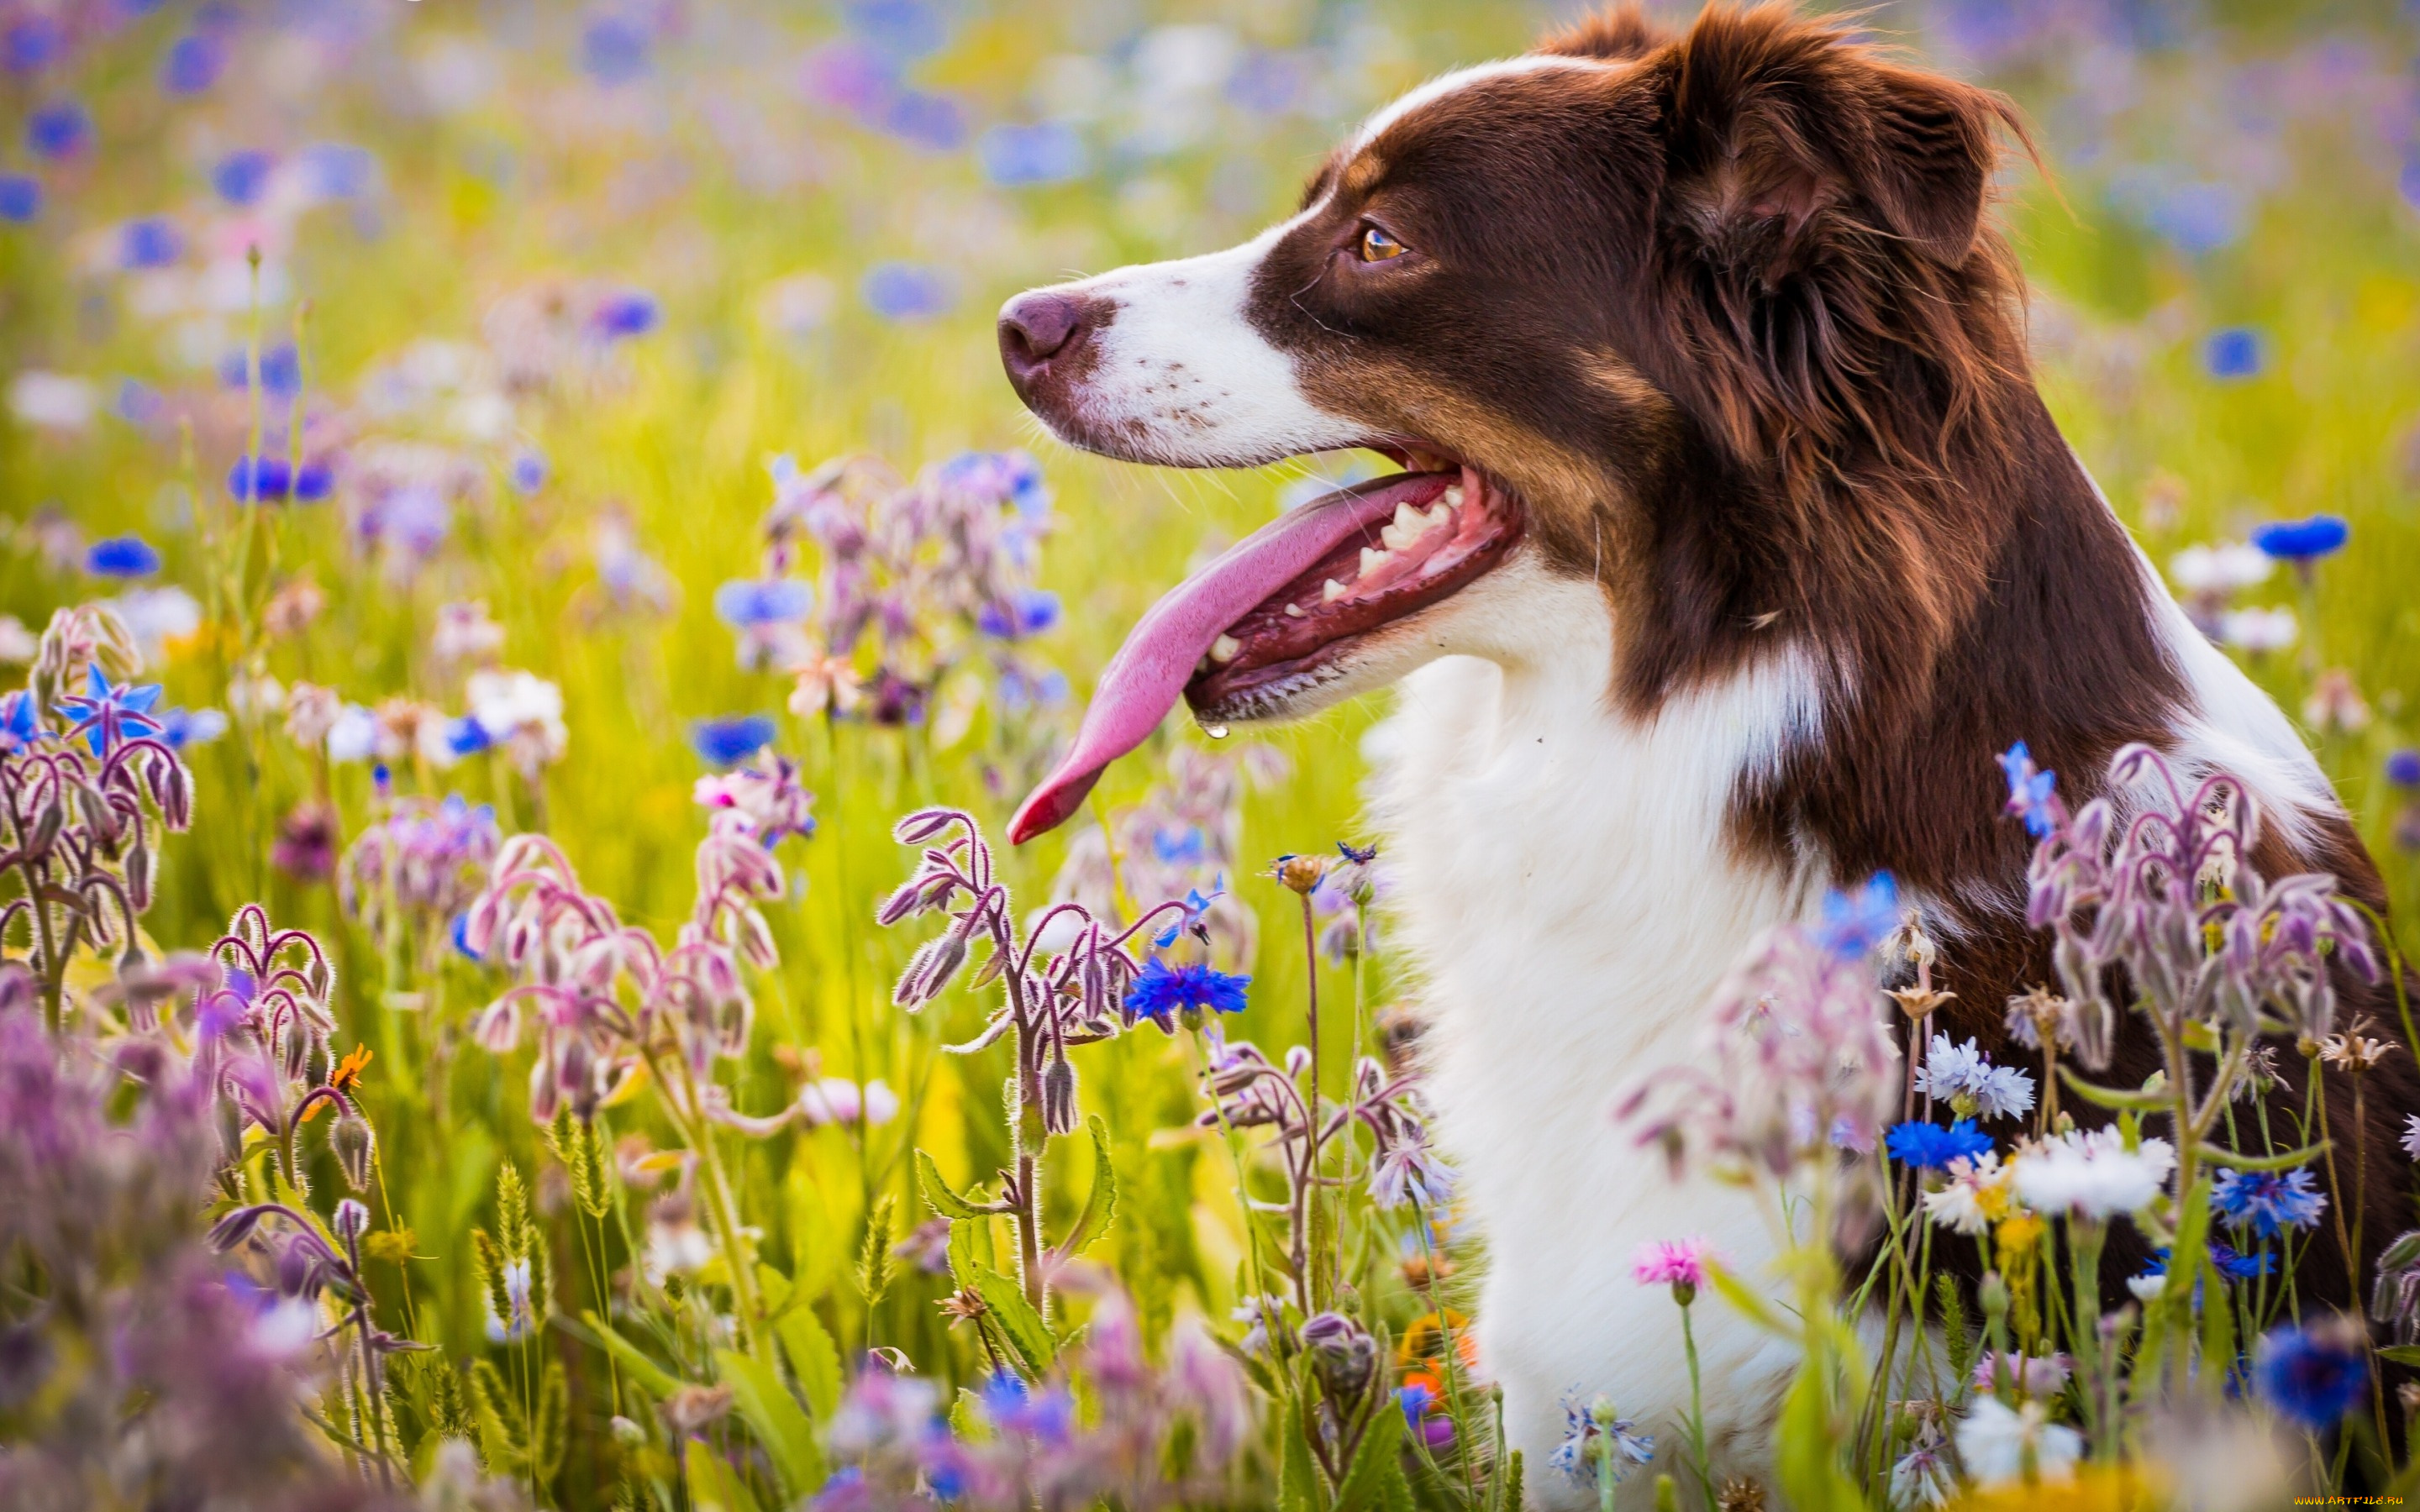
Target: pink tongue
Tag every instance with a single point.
(1144, 681)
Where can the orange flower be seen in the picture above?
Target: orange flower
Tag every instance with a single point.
(347, 1076)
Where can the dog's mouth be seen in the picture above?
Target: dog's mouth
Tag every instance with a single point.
(1282, 611)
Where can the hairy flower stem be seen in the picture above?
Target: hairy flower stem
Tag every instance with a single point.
(2084, 1239)
(1029, 1135)
(698, 1135)
(1313, 1290)
(1698, 1462)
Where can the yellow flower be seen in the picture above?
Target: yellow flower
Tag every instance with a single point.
(2091, 1488)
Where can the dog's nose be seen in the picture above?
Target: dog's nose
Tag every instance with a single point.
(1038, 329)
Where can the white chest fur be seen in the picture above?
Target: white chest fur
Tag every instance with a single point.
(1562, 880)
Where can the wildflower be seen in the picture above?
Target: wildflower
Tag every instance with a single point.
(106, 716)
(21, 726)
(1195, 985)
(2237, 352)
(1598, 1443)
(1406, 1169)
(2411, 1135)
(767, 614)
(465, 633)
(2353, 1050)
(292, 608)
(305, 847)
(768, 800)
(2031, 790)
(2032, 1377)
(1921, 1478)
(1679, 1263)
(122, 556)
(2260, 630)
(826, 684)
(2335, 705)
(1854, 923)
(254, 480)
(527, 473)
(21, 198)
(2092, 1173)
(2003, 1443)
(2239, 1266)
(1929, 1146)
(59, 129)
(727, 741)
(1964, 1077)
(1014, 155)
(1299, 874)
(240, 175)
(614, 49)
(2268, 1202)
(906, 291)
(194, 64)
(2220, 570)
(520, 712)
(1028, 611)
(1978, 1194)
(2302, 542)
(2314, 1375)
(2042, 1017)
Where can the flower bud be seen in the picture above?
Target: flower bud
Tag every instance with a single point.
(351, 1140)
(628, 1433)
(1058, 1096)
(1301, 872)
(1342, 1355)
(350, 1221)
(1993, 1294)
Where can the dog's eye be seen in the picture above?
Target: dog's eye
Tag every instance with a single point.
(1377, 246)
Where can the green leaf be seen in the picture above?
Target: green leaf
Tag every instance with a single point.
(773, 1415)
(714, 1486)
(1376, 1460)
(1101, 1203)
(813, 1358)
(2221, 1155)
(1760, 1311)
(2111, 1097)
(657, 1381)
(937, 1193)
(2402, 1353)
(1018, 1322)
(1298, 1487)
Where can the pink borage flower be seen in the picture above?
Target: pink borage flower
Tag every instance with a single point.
(1672, 1262)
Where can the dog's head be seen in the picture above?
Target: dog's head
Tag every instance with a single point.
(1676, 313)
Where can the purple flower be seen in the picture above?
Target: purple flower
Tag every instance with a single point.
(121, 556)
(240, 177)
(21, 198)
(339, 170)
(1929, 1146)
(31, 44)
(182, 728)
(629, 313)
(2403, 769)
(1163, 990)
(194, 64)
(528, 472)
(746, 604)
(1028, 612)
(61, 129)
(2237, 352)
(727, 741)
(280, 373)
(152, 241)
(19, 719)
(614, 50)
(266, 479)
(906, 291)
(107, 717)
(2303, 541)
(1014, 155)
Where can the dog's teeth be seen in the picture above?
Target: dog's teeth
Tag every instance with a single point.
(1442, 515)
(1330, 591)
(1294, 612)
(1224, 648)
(1454, 497)
(1407, 519)
(1372, 561)
(1393, 538)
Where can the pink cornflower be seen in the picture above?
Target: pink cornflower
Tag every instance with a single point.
(1673, 1262)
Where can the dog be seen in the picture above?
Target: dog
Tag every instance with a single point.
(1733, 544)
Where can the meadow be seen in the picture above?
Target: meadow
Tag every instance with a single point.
(553, 464)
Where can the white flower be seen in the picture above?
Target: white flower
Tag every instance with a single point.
(2092, 1173)
(838, 1100)
(158, 616)
(2146, 1288)
(465, 633)
(1920, 1479)
(2219, 569)
(523, 711)
(17, 644)
(1995, 1441)
(353, 735)
(1976, 1196)
(2259, 629)
(52, 400)
(2411, 1135)
(1964, 1077)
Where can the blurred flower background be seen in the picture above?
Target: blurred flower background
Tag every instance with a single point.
(484, 418)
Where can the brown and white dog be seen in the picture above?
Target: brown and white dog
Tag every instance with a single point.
(1735, 541)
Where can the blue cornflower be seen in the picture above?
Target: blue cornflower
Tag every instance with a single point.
(906, 291)
(1597, 1443)
(2312, 1375)
(1012, 1408)
(59, 129)
(2268, 1202)
(193, 64)
(528, 472)
(631, 313)
(921, 118)
(241, 175)
(1415, 1400)
(152, 241)
(1929, 1146)
(107, 717)
(280, 373)
(268, 480)
(32, 43)
(1855, 923)
(727, 741)
(1163, 989)
(2403, 769)
(1030, 611)
(2237, 352)
(744, 603)
(19, 719)
(2303, 541)
(21, 198)
(1014, 155)
(467, 736)
(139, 404)
(1195, 906)
(902, 29)
(121, 556)
(461, 936)
(1185, 845)
(2236, 1266)
(614, 49)
(2031, 791)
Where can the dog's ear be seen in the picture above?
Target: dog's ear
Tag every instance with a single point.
(1788, 140)
(1614, 34)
